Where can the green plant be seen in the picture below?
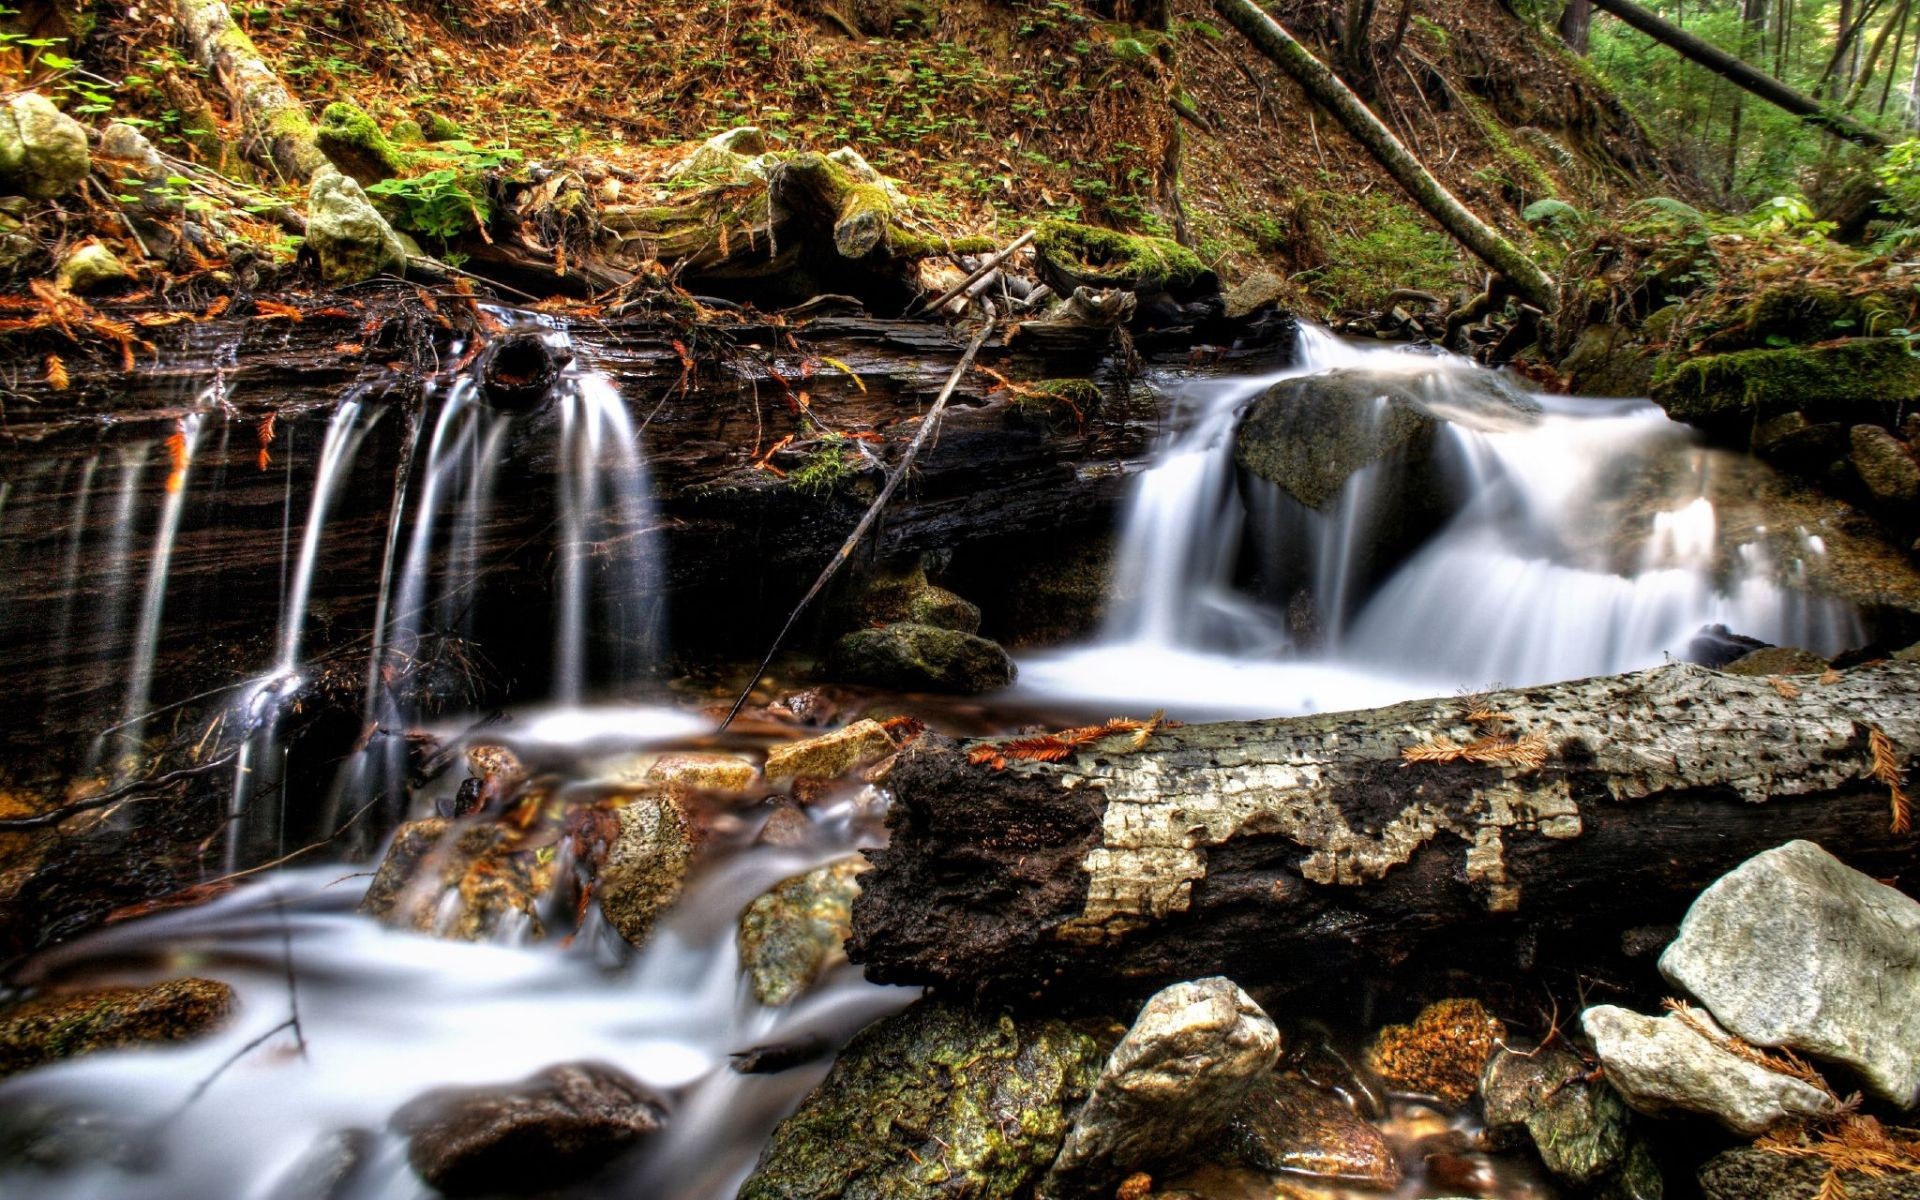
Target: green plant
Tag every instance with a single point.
(825, 468)
(448, 200)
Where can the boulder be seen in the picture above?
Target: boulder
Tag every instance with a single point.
(940, 1102)
(1442, 1053)
(938, 607)
(91, 267)
(902, 593)
(1579, 1128)
(1176, 1079)
(350, 239)
(1749, 1173)
(1795, 442)
(906, 656)
(830, 755)
(43, 151)
(646, 866)
(1884, 465)
(49, 1028)
(795, 933)
(1287, 1125)
(552, 1129)
(1777, 660)
(1795, 948)
(1862, 379)
(1682, 1063)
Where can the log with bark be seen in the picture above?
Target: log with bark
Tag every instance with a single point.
(1495, 832)
(278, 131)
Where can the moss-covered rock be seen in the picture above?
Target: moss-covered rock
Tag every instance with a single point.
(1075, 256)
(941, 1102)
(50, 1028)
(1579, 1127)
(1441, 1053)
(91, 267)
(348, 237)
(438, 127)
(352, 141)
(43, 151)
(795, 933)
(407, 133)
(1884, 465)
(1862, 380)
(909, 657)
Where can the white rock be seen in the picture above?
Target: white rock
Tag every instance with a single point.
(1662, 1064)
(1795, 948)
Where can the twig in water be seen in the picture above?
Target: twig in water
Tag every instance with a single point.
(293, 984)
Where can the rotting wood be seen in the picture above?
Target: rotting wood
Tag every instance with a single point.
(978, 273)
(277, 127)
(1288, 853)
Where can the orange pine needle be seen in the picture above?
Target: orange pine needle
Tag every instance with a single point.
(1886, 769)
(57, 373)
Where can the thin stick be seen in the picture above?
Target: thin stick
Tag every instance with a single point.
(866, 522)
(293, 984)
(138, 787)
(979, 272)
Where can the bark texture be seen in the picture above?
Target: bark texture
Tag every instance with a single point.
(278, 131)
(1282, 853)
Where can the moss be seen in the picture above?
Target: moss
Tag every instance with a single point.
(1442, 1053)
(825, 469)
(353, 142)
(1059, 402)
(1383, 245)
(439, 127)
(1085, 255)
(1522, 171)
(56, 1027)
(407, 133)
(1865, 379)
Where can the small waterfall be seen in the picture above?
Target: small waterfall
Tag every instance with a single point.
(146, 639)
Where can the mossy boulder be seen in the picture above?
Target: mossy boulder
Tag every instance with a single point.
(911, 657)
(352, 141)
(91, 267)
(349, 238)
(1861, 380)
(50, 1028)
(940, 1102)
(43, 151)
(798, 930)
(1073, 256)
(438, 127)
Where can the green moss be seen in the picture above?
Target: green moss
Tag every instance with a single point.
(441, 128)
(1059, 402)
(407, 133)
(1517, 169)
(353, 142)
(825, 469)
(1380, 244)
(1865, 379)
(1086, 255)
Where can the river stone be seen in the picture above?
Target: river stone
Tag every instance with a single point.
(91, 267)
(1579, 1128)
(1777, 660)
(1747, 1173)
(910, 657)
(552, 1129)
(1442, 1053)
(1797, 443)
(936, 606)
(1660, 1065)
(329, 1168)
(940, 1102)
(830, 755)
(1286, 1124)
(1884, 465)
(646, 867)
(1176, 1079)
(1795, 948)
(475, 885)
(351, 240)
(49, 1028)
(692, 771)
(43, 151)
(791, 936)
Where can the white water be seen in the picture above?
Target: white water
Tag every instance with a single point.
(1512, 589)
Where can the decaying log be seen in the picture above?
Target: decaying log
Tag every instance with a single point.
(1293, 852)
(276, 125)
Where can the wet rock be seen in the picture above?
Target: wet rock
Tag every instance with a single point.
(1176, 1079)
(830, 755)
(1797, 443)
(1884, 465)
(942, 609)
(1747, 1173)
(1579, 1128)
(351, 240)
(1442, 1053)
(50, 1028)
(787, 826)
(91, 267)
(795, 933)
(43, 151)
(1660, 1065)
(552, 1129)
(1862, 379)
(692, 771)
(1795, 948)
(911, 657)
(464, 881)
(940, 1102)
(1288, 1125)
(1718, 647)
(1777, 660)
(646, 867)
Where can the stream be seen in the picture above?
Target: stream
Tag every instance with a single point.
(1229, 599)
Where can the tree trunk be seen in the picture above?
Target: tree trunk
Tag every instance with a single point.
(276, 126)
(1576, 19)
(1320, 83)
(1290, 853)
(1732, 69)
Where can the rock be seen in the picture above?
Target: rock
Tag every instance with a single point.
(830, 755)
(1288, 1125)
(1795, 948)
(910, 657)
(91, 267)
(1442, 1053)
(49, 1028)
(1579, 1128)
(1718, 647)
(646, 867)
(43, 151)
(1747, 1173)
(795, 933)
(1777, 660)
(1884, 465)
(1176, 1079)
(552, 1129)
(495, 886)
(1262, 289)
(1862, 379)
(1797, 443)
(942, 609)
(351, 240)
(724, 155)
(122, 141)
(902, 593)
(329, 1168)
(352, 141)
(1660, 1065)
(786, 826)
(940, 1102)
(692, 771)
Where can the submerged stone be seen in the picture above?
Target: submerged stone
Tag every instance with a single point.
(940, 1102)
(795, 933)
(1288, 1125)
(473, 885)
(911, 657)
(1441, 1053)
(49, 1028)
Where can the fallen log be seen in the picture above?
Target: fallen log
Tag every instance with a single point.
(1487, 831)
(276, 125)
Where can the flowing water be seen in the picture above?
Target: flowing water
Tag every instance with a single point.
(1229, 598)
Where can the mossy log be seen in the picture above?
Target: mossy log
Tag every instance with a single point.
(277, 129)
(1293, 853)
